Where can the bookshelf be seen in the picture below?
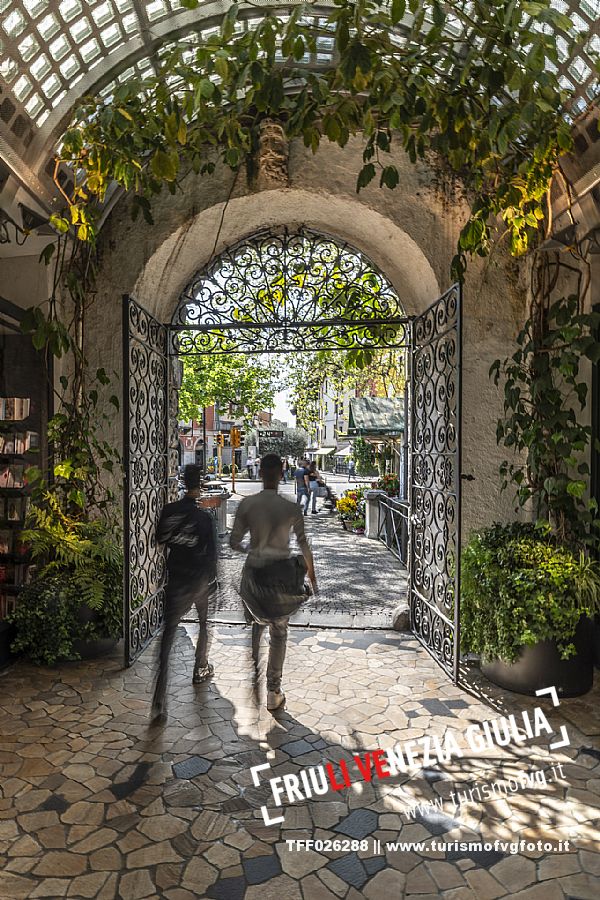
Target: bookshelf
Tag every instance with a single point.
(19, 447)
(24, 403)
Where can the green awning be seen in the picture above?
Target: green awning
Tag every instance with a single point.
(376, 417)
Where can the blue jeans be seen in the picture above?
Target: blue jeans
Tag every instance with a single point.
(300, 493)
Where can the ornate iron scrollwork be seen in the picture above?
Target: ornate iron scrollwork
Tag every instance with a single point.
(281, 292)
(435, 482)
(146, 426)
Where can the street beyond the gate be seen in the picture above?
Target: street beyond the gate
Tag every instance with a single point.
(361, 583)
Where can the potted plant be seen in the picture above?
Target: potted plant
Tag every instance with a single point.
(530, 591)
(526, 605)
(73, 605)
(390, 484)
(350, 507)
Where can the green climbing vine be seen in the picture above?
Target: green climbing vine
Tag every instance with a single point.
(397, 76)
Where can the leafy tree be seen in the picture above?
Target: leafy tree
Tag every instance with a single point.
(381, 374)
(293, 443)
(364, 454)
(241, 383)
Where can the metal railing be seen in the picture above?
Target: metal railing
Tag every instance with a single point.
(393, 526)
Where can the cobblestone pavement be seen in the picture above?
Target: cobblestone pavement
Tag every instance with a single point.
(94, 803)
(360, 581)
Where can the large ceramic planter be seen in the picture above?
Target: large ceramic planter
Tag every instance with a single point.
(540, 666)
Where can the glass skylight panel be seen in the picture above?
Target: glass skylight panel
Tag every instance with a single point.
(562, 47)
(123, 6)
(22, 88)
(40, 68)
(70, 9)
(35, 7)
(102, 14)
(81, 30)
(111, 35)
(579, 70)
(8, 69)
(130, 24)
(48, 26)
(90, 50)
(155, 10)
(59, 48)
(69, 68)
(34, 105)
(51, 86)
(59, 98)
(14, 23)
(28, 47)
(591, 8)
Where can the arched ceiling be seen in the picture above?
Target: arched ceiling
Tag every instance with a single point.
(53, 52)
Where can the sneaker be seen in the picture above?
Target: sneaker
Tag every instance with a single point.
(275, 699)
(201, 675)
(315, 512)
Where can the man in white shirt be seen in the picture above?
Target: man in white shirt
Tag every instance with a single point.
(269, 518)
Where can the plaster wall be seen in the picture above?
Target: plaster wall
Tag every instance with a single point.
(410, 233)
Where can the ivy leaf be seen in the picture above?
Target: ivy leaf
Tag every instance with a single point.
(165, 165)
(398, 10)
(389, 177)
(366, 175)
(189, 4)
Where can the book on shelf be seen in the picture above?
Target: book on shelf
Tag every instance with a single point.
(13, 509)
(12, 475)
(6, 540)
(13, 409)
(19, 442)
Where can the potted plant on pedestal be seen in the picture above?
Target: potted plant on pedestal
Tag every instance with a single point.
(530, 590)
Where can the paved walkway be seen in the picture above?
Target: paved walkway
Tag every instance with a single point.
(360, 581)
(95, 804)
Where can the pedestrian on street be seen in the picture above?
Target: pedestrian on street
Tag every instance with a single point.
(286, 469)
(189, 533)
(351, 469)
(302, 484)
(313, 487)
(272, 578)
(250, 467)
(256, 467)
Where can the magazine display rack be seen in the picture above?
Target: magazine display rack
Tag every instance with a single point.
(18, 448)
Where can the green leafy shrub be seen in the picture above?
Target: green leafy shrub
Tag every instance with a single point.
(50, 618)
(519, 587)
(77, 589)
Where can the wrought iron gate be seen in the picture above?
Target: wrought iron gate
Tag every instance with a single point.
(146, 459)
(434, 479)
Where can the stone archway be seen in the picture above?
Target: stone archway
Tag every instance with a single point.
(287, 290)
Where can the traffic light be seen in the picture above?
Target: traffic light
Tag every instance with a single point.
(220, 439)
(234, 437)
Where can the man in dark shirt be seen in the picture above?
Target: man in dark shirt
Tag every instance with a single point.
(189, 533)
(302, 484)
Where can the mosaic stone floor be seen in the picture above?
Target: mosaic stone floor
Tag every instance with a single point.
(94, 803)
(360, 582)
